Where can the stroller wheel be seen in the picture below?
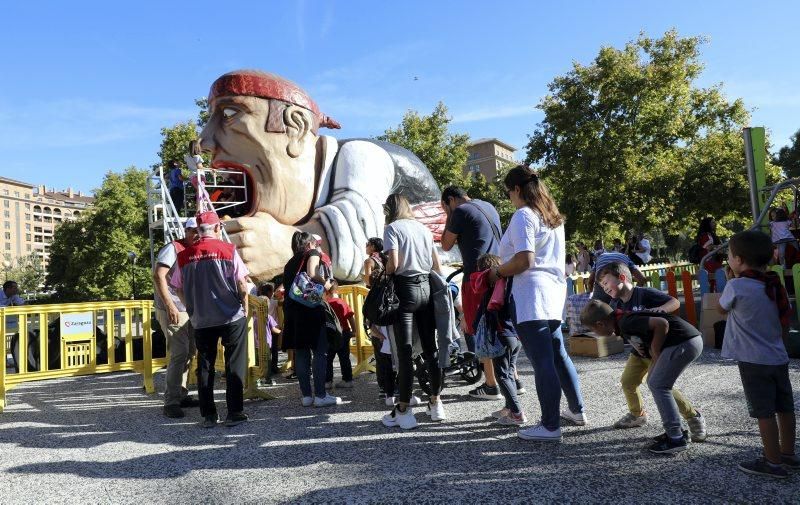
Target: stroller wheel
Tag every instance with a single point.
(421, 372)
(472, 372)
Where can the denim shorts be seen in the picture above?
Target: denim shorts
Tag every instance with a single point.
(767, 389)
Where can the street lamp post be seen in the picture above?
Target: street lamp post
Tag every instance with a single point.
(6, 266)
(132, 257)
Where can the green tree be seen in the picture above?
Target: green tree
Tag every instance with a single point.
(788, 157)
(630, 141)
(89, 257)
(203, 114)
(443, 152)
(493, 192)
(174, 142)
(27, 271)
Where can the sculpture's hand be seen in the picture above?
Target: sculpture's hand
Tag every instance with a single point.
(263, 243)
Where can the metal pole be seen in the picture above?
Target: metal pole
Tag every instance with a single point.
(751, 172)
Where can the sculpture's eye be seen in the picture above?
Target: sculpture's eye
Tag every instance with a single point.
(229, 112)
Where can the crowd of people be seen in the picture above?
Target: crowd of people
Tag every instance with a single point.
(511, 298)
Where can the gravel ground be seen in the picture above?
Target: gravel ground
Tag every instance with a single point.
(102, 440)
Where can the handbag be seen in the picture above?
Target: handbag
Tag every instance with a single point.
(487, 343)
(381, 304)
(304, 290)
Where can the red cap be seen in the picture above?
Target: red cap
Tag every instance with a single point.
(207, 218)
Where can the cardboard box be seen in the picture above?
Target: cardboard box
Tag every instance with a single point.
(595, 346)
(708, 316)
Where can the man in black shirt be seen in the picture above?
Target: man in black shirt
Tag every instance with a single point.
(670, 342)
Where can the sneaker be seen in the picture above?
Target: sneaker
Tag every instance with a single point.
(485, 392)
(790, 462)
(578, 419)
(327, 401)
(232, 420)
(513, 419)
(669, 446)
(761, 466)
(540, 433)
(345, 384)
(390, 401)
(436, 411)
(697, 427)
(307, 401)
(414, 402)
(190, 402)
(209, 421)
(173, 411)
(499, 414)
(663, 437)
(329, 386)
(381, 396)
(520, 387)
(291, 376)
(405, 420)
(631, 421)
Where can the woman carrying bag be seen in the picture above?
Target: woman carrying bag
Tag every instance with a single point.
(411, 257)
(304, 325)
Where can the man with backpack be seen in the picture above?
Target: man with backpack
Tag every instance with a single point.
(475, 226)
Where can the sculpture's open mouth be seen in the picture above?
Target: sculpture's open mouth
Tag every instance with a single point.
(240, 177)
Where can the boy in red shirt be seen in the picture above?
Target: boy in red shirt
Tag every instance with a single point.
(348, 321)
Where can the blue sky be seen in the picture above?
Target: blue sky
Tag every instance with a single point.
(87, 86)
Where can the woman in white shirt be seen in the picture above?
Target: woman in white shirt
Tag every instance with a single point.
(533, 254)
(411, 257)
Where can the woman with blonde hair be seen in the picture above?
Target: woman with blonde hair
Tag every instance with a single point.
(533, 254)
(408, 244)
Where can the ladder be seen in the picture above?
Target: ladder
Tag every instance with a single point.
(162, 214)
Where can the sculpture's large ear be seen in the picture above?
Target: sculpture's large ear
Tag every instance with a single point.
(298, 125)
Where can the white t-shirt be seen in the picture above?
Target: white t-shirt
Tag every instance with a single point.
(644, 256)
(539, 292)
(192, 162)
(413, 242)
(168, 257)
(780, 231)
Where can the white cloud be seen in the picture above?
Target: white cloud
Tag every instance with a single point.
(81, 122)
(501, 112)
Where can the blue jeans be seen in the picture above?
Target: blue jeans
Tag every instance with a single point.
(302, 366)
(553, 370)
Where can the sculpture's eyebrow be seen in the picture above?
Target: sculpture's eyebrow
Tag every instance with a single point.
(238, 101)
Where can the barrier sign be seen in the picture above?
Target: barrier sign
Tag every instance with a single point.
(77, 324)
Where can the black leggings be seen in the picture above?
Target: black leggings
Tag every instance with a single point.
(416, 306)
(504, 368)
(383, 368)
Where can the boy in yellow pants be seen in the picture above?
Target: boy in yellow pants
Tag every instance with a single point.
(615, 279)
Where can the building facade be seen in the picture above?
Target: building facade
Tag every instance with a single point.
(30, 215)
(487, 156)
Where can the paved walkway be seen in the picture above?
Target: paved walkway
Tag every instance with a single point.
(102, 440)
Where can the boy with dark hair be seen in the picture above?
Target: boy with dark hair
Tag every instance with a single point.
(347, 319)
(758, 312)
(615, 279)
(670, 343)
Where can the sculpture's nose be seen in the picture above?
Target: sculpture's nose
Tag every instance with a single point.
(207, 143)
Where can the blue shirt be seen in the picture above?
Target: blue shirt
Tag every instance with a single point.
(753, 333)
(175, 178)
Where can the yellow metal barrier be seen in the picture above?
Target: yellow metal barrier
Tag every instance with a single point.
(360, 345)
(79, 323)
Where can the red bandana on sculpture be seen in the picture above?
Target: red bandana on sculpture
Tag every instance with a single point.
(266, 85)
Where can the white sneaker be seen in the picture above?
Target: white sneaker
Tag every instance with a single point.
(327, 401)
(307, 401)
(329, 386)
(540, 433)
(405, 420)
(499, 414)
(436, 411)
(344, 384)
(576, 419)
(513, 420)
(391, 401)
(415, 401)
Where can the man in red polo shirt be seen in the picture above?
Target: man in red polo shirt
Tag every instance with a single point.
(211, 280)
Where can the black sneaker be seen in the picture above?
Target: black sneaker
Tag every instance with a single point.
(189, 402)
(209, 421)
(520, 387)
(761, 466)
(663, 437)
(485, 392)
(291, 377)
(669, 446)
(790, 462)
(235, 418)
(173, 411)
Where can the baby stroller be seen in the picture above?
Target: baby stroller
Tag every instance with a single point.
(463, 362)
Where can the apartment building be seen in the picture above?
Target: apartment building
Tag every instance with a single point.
(30, 215)
(487, 156)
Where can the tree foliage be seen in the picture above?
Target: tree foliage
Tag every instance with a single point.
(630, 141)
(89, 257)
(27, 271)
(429, 137)
(788, 157)
(175, 142)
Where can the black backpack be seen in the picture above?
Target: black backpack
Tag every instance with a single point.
(695, 254)
(381, 303)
